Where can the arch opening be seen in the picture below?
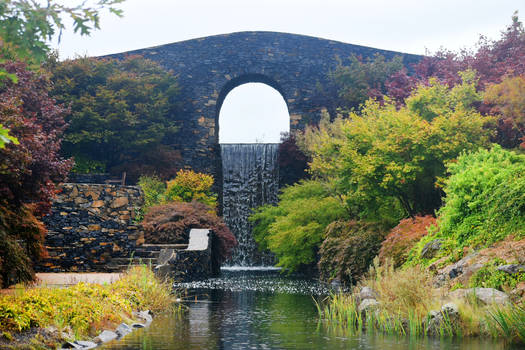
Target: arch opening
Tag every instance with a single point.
(252, 112)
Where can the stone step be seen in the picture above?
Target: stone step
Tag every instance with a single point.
(162, 246)
(132, 261)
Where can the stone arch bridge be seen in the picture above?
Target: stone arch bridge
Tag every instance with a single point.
(209, 68)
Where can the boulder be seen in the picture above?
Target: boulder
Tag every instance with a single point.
(367, 293)
(511, 269)
(430, 249)
(144, 315)
(86, 344)
(485, 295)
(367, 305)
(336, 285)
(123, 329)
(105, 336)
(449, 313)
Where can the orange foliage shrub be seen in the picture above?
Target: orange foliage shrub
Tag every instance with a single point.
(403, 237)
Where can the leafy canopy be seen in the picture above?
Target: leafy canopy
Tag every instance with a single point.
(387, 153)
(27, 26)
(352, 83)
(484, 203)
(294, 229)
(122, 113)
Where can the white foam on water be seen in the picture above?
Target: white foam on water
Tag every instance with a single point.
(251, 268)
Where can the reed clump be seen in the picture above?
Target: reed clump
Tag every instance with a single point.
(410, 305)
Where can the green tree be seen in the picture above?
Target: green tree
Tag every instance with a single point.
(353, 83)
(484, 203)
(27, 26)
(385, 153)
(294, 229)
(123, 113)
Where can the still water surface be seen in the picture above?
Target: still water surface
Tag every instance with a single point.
(264, 310)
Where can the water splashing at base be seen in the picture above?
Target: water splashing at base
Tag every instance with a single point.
(250, 179)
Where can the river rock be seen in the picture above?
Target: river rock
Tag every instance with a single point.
(336, 285)
(511, 269)
(144, 315)
(366, 305)
(430, 249)
(86, 344)
(367, 293)
(485, 295)
(436, 318)
(105, 336)
(123, 329)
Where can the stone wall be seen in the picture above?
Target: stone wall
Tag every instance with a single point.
(208, 68)
(90, 228)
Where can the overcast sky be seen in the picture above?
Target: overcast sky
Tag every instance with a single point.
(412, 26)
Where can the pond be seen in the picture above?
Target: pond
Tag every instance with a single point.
(262, 309)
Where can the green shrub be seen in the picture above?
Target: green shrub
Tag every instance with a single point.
(349, 248)
(490, 277)
(294, 229)
(189, 186)
(485, 202)
(153, 189)
(85, 165)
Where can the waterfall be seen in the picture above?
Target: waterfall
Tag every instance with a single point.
(250, 179)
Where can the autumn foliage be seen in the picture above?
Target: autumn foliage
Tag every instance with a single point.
(171, 223)
(349, 248)
(403, 237)
(28, 169)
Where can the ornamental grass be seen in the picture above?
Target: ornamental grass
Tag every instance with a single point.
(86, 308)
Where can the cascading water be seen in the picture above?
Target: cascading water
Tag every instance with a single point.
(250, 179)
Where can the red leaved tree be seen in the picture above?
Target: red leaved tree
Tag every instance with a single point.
(30, 169)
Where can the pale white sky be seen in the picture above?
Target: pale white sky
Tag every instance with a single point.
(411, 26)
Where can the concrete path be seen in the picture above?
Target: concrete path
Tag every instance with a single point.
(67, 279)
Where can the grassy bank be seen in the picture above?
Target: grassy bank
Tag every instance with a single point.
(407, 299)
(83, 310)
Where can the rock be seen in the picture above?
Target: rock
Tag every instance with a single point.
(511, 269)
(367, 305)
(123, 329)
(97, 204)
(490, 295)
(450, 309)
(145, 315)
(335, 284)
(106, 336)
(86, 344)
(430, 249)
(449, 313)
(485, 295)
(519, 291)
(367, 293)
(119, 202)
(165, 256)
(71, 345)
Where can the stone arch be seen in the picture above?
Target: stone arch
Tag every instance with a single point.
(241, 80)
(208, 68)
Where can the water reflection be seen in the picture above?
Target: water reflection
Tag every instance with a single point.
(264, 311)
